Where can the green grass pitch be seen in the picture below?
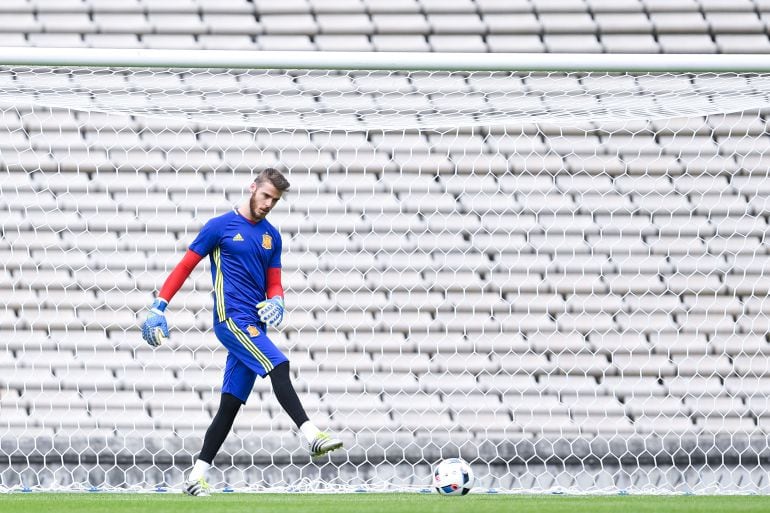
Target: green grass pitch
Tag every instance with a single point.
(371, 502)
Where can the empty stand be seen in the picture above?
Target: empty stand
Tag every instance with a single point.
(532, 280)
(631, 26)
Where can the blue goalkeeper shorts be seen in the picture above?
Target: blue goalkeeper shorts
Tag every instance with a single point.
(250, 354)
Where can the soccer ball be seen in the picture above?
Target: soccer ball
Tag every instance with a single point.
(453, 476)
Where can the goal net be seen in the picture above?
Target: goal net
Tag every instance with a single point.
(558, 276)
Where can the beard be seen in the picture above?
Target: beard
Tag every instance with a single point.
(253, 207)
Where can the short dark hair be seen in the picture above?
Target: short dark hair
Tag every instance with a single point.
(273, 176)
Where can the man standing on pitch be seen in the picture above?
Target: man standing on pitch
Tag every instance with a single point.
(245, 253)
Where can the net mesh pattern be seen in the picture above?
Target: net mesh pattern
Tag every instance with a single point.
(559, 277)
(333, 100)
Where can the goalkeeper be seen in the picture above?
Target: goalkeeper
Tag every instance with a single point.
(245, 253)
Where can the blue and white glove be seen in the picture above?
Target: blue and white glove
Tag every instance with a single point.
(155, 328)
(271, 311)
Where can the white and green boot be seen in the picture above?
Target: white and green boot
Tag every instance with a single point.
(323, 443)
(199, 488)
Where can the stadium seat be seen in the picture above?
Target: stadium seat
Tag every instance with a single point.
(456, 43)
(399, 43)
(60, 400)
(401, 363)
(518, 23)
(63, 419)
(540, 425)
(188, 420)
(284, 42)
(20, 22)
(160, 379)
(663, 424)
(86, 380)
(742, 43)
(514, 43)
(420, 421)
(608, 425)
(56, 39)
(13, 39)
(721, 424)
(363, 421)
(483, 422)
(123, 421)
(752, 343)
(475, 403)
(686, 43)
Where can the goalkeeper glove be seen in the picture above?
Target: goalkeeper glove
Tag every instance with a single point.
(155, 328)
(271, 311)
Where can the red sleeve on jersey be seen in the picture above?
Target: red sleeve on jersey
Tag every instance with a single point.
(274, 287)
(180, 273)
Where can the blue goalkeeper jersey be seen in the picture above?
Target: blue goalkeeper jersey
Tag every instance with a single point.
(241, 253)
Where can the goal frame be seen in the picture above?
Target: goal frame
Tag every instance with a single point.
(386, 61)
(406, 61)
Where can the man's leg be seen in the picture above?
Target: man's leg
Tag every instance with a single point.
(220, 427)
(286, 395)
(236, 387)
(320, 443)
(215, 437)
(254, 349)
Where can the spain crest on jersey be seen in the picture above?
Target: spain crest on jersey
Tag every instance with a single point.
(267, 241)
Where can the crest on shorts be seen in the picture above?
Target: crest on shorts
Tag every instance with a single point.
(267, 241)
(254, 332)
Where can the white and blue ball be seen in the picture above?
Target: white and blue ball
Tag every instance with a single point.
(453, 476)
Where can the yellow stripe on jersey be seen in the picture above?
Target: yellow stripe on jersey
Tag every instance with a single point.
(219, 285)
(249, 345)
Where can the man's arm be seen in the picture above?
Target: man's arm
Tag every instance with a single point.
(271, 311)
(274, 286)
(155, 328)
(178, 276)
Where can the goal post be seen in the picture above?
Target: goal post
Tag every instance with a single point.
(387, 61)
(550, 265)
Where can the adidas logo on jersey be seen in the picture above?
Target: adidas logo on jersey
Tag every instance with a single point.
(238, 238)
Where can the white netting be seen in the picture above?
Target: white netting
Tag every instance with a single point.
(564, 284)
(330, 100)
